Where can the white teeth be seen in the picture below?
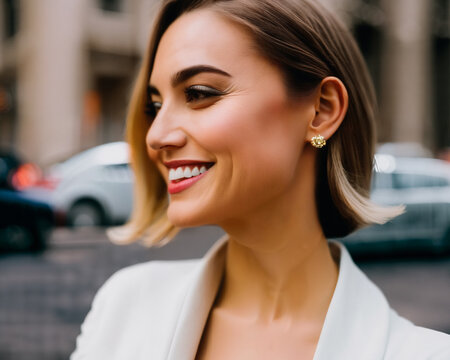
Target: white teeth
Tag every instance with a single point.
(179, 173)
(195, 171)
(186, 172)
(172, 175)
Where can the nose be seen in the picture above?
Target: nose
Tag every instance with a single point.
(165, 133)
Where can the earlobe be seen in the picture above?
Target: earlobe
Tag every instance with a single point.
(331, 106)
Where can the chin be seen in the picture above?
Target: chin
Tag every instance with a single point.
(187, 216)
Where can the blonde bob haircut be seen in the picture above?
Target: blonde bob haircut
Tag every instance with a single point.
(307, 43)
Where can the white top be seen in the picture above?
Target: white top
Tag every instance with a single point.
(158, 310)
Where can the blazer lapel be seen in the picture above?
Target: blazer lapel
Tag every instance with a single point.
(358, 318)
(356, 325)
(198, 303)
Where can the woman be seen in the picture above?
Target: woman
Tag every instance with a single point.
(255, 115)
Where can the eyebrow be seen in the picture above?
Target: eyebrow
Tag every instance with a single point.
(186, 74)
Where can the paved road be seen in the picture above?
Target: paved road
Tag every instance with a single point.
(44, 298)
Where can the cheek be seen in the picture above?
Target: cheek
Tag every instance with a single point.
(263, 129)
(246, 122)
(258, 145)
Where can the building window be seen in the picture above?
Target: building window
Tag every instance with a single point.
(111, 5)
(11, 17)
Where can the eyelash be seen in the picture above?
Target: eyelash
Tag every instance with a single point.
(192, 94)
(200, 92)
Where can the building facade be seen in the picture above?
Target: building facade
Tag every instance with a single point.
(67, 68)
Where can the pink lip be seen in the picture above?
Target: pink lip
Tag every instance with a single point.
(176, 187)
(177, 163)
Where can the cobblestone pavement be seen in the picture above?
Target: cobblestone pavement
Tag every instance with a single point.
(45, 297)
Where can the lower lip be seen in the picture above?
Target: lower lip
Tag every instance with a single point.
(176, 187)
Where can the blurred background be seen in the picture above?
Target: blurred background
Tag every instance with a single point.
(66, 72)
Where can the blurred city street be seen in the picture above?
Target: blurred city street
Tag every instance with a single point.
(45, 297)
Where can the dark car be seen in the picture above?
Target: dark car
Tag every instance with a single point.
(15, 174)
(25, 224)
(9, 163)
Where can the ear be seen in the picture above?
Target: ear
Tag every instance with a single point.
(331, 105)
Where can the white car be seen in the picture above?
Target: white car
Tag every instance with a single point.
(423, 186)
(93, 187)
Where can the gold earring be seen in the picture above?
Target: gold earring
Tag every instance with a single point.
(318, 141)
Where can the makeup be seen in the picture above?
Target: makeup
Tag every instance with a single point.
(175, 186)
(184, 173)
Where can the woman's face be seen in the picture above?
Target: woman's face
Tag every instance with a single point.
(222, 107)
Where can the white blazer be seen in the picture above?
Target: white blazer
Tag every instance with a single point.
(158, 310)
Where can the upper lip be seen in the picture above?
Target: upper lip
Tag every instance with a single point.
(177, 163)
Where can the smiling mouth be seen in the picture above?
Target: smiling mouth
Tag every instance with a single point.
(184, 176)
(181, 173)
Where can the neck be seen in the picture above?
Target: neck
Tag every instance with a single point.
(279, 266)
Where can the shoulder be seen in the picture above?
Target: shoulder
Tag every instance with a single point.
(409, 341)
(153, 269)
(154, 274)
(387, 334)
(136, 300)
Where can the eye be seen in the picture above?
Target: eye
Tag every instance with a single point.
(152, 108)
(200, 93)
(156, 106)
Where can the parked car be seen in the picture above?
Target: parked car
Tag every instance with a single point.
(423, 186)
(92, 188)
(25, 224)
(404, 149)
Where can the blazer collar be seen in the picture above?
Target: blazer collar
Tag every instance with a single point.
(357, 322)
(198, 303)
(356, 325)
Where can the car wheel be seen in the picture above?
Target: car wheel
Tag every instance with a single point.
(85, 213)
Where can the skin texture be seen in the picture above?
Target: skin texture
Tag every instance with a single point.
(279, 276)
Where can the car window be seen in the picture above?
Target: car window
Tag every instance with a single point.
(117, 172)
(119, 167)
(381, 180)
(106, 154)
(405, 181)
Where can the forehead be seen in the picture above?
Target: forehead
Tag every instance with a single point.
(203, 37)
